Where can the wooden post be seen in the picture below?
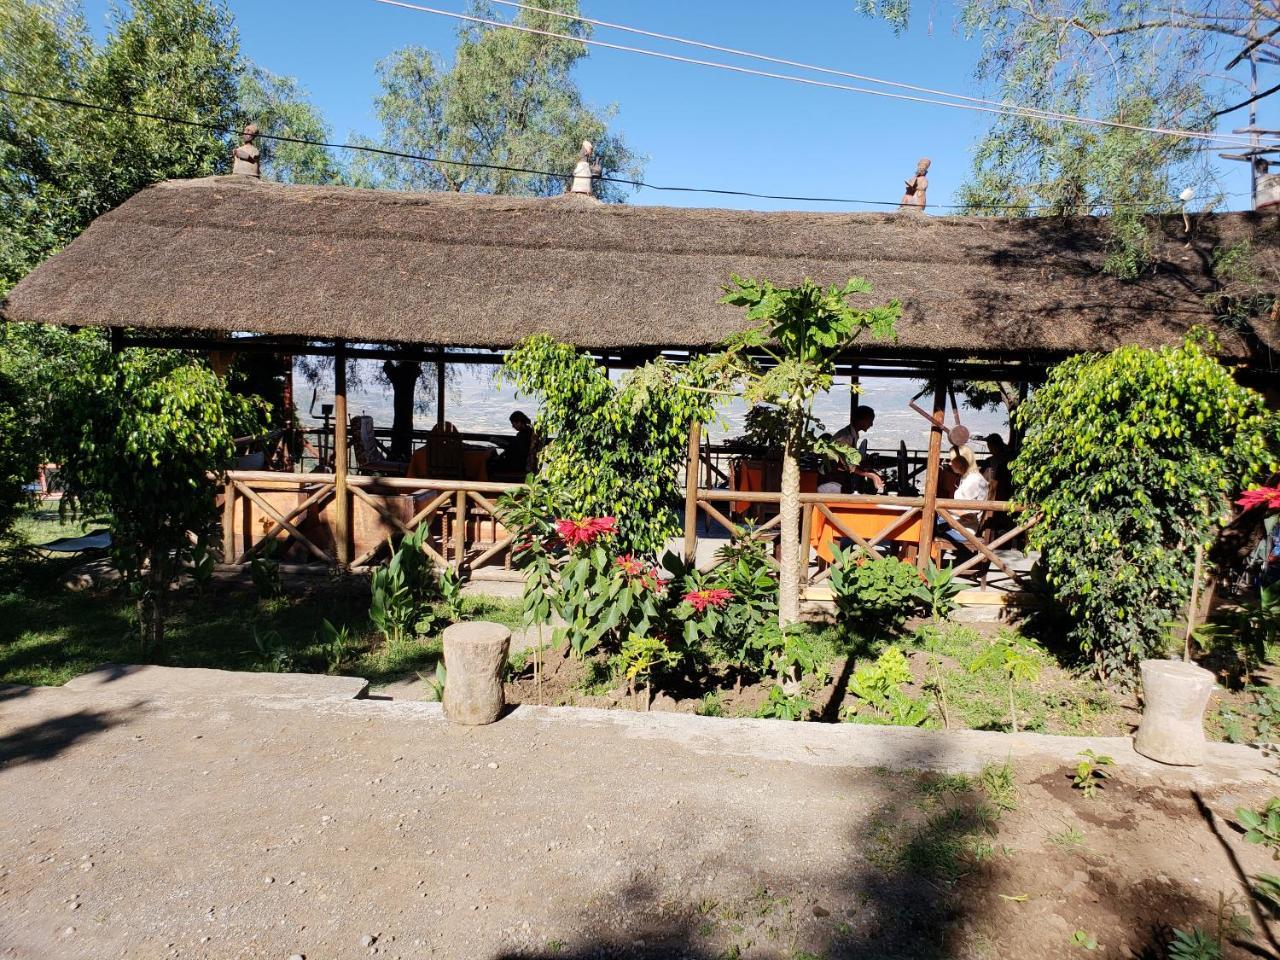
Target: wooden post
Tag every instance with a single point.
(439, 393)
(855, 392)
(341, 498)
(460, 529)
(691, 471)
(928, 513)
(228, 522)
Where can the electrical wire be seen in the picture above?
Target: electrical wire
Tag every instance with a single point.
(1171, 203)
(766, 58)
(1009, 110)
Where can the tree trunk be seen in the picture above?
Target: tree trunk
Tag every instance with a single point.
(789, 508)
(403, 375)
(152, 602)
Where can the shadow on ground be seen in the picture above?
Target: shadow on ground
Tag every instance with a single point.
(940, 874)
(46, 739)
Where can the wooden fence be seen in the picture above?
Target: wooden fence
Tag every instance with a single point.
(300, 514)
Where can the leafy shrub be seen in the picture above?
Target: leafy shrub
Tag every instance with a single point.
(1014, 656)
(781, 705)
(937, 590)
(264, 571)
(400, 591)
(338, 643)
(1130, 457)
(613, 448)
(878, 688)
(642, 657)
(876, 592)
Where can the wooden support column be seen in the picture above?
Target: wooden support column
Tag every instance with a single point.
(928, 513)
(855, 394)
(691, 470)
(460, 530)
(439, 393)
(228, 521)
(341, 497)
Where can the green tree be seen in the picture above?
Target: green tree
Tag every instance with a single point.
(508, 99)
(155, 425)
(1132, 457)
(18, 458)
(279, 106)
(61, 166)
(1146, 63)
(612, 448)
(799, 332)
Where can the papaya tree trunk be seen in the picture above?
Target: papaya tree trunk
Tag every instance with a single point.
(789, 508)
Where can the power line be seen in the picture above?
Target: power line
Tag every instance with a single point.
(1003, 104)
(638, 184)
(1003, 110)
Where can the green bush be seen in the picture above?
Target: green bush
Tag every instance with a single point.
(1131, 458)
(878, 593)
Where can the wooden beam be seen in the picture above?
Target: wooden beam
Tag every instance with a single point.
(341, 499)
(271, 511)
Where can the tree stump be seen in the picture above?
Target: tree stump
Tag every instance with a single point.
(474, 657)
(1174, 696)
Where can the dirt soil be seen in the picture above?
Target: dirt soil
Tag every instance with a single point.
(272, 827)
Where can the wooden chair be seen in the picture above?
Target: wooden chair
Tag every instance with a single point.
(444, 453)
(371, 456)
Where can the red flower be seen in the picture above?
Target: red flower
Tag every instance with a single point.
(629, 565)
(1260, 497)
(701, 599)
(585, 531)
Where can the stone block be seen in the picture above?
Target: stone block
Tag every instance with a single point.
(475, 655)
(1174, 696)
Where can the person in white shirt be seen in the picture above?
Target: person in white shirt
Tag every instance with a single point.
(973, 486)
(864, 418)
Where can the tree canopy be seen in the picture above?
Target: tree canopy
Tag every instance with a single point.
(508, 99)
(1145, 63)
(62, 166)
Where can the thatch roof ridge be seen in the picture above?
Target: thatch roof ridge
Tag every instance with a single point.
(236, 254)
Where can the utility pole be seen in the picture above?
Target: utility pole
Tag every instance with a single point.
(1255, 156)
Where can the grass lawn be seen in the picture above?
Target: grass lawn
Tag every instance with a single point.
(49, 634)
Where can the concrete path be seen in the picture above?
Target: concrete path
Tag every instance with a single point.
(157, 823)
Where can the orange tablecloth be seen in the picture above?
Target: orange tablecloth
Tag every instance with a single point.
(866, 521)
(750, 476)
(475, 463)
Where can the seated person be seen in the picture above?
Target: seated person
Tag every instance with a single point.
(996, 466)
(972, 486)
(514, 457)
(863, 419)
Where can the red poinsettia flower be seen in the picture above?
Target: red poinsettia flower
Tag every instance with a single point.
(584, 532)
(1260, 497)
(701, 599)
(629, 565)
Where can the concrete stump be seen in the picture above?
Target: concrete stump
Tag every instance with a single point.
(474, 656)
(1174, 696)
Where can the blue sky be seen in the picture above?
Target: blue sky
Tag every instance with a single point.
(698, 126)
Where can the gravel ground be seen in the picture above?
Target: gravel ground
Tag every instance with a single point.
(263, 826)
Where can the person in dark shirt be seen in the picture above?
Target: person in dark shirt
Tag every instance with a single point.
(514, 457)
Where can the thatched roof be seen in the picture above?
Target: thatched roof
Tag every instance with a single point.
(233, 254)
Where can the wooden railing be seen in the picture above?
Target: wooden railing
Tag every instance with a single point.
(981, 548)
(299, 512)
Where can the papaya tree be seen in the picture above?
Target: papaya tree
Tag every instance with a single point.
(785, 359)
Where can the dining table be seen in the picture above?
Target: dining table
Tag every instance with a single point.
(867, 520)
